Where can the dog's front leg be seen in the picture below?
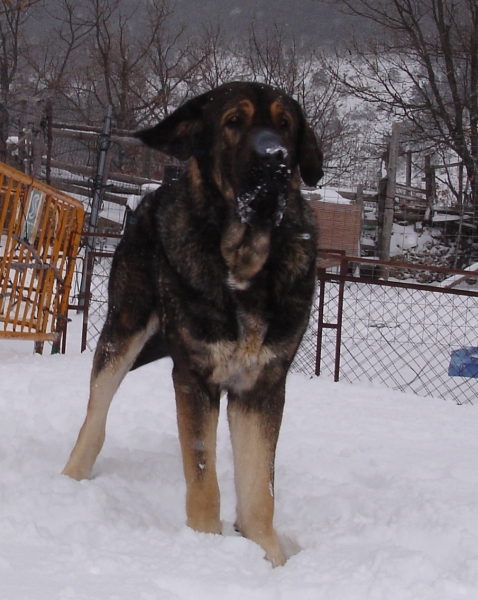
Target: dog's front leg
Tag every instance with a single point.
(254, 430)
(113, 359)
(197, 412)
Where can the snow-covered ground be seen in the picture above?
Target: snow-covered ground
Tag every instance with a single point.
(376, 497)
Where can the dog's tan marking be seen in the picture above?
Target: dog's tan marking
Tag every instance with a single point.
(236, 365)
(244, 108)
(296, 181)
(198, 447)
(254, 479)
(245, 251)
(279, 112)
(242, 113)
(223, 185)
(103, 386)
(195, 174)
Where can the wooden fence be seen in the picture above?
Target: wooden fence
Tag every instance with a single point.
(40, 230)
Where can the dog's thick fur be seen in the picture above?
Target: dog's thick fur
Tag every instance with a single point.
(217, 269)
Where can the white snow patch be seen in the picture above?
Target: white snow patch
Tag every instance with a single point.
(376, 494)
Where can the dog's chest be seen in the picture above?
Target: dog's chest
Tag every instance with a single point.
(235, 365)
(224, 326)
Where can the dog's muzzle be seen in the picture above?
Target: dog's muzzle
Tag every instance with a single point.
(264, 199)
(269, 147)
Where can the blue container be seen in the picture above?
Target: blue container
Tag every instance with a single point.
(464, 363)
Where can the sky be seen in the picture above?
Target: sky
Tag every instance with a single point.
(312, 21)
(317, 22)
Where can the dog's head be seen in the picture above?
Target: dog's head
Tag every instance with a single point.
(249, 140)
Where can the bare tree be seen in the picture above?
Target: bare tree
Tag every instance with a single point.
(52, 58)
(98, 54)
(118, 55)
(135, 57)
(421, 66)
(216, 58)
(14, 15)
(173, 62)
(278, 59)
(268, 57)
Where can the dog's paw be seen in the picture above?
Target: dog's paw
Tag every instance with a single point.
(230, 529)
(289, 545)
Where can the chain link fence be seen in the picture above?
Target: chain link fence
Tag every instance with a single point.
(401, 335)
(96, 306)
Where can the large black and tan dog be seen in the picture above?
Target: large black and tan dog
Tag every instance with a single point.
(217, 270)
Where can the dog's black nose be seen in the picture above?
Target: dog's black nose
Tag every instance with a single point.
(269, 146)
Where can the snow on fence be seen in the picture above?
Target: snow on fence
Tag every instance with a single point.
(40, 231)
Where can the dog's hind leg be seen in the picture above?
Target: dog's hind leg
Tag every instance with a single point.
(254, 439)
(197, 412)
(113, 359)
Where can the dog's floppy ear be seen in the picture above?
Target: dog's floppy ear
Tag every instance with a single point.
(309, 153)
(175, 134)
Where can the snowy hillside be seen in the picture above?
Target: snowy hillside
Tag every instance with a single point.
(376, 495)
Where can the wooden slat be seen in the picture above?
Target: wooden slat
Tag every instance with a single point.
(339, 226)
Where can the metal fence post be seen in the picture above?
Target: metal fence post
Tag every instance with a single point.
(105, 142)
(344, 266)
(320, 322)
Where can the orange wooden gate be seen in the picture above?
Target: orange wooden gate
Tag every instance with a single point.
(40, 230)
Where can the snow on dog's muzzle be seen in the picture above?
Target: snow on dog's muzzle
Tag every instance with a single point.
(264, 199)
(268, 145)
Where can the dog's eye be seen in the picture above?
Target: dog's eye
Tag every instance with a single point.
(234, 121)
(283, 124)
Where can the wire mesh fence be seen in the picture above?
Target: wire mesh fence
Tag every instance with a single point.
(401, 335)
(405, 336)
(44, 142)
(98, 272)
